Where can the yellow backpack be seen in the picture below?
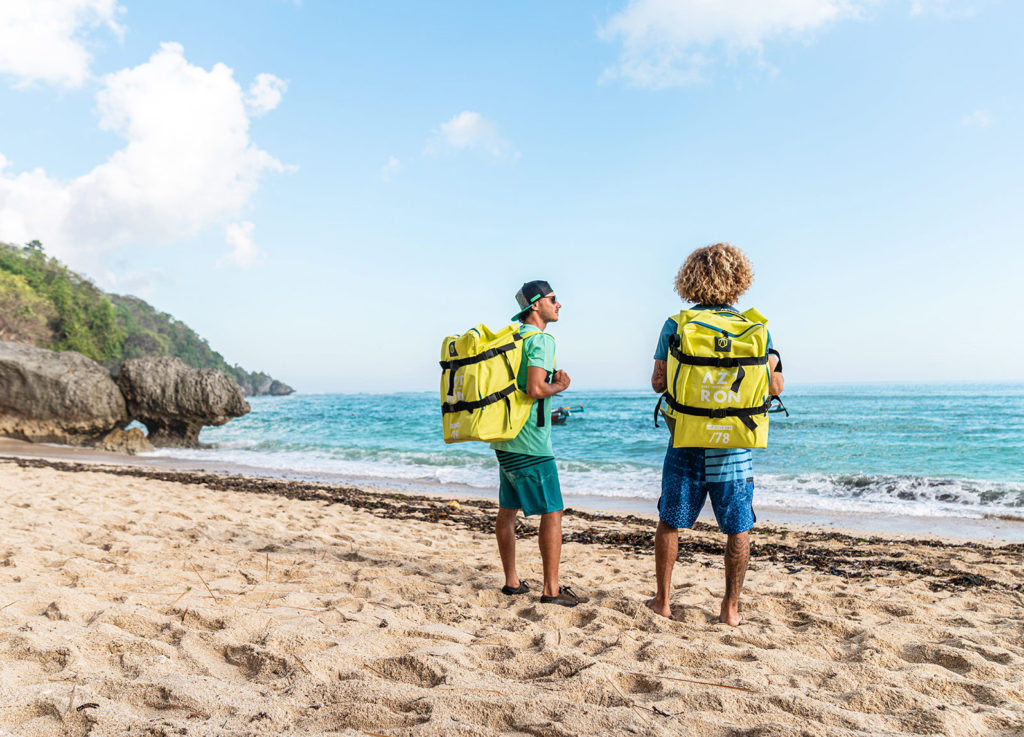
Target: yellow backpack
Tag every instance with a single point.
(479, 396)
(718, 379)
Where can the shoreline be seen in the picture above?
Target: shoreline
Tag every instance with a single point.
(845, 554)
(945, 527)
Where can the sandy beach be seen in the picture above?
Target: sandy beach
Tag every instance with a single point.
(156, 602)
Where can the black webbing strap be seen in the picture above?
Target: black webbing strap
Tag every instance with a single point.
(717, 361)
(542, 405)
(778, 366)
(464, 406)
(740, 373)
(745, 414)
(457, 363)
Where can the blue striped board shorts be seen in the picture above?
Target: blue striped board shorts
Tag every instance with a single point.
(691, 475)
(529, 483)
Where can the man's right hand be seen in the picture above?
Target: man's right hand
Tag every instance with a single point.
(561, 380)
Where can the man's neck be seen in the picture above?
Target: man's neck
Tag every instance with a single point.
(535, 320)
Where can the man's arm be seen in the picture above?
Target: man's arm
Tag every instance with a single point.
(537, 385)
(659, 379)
(776, 382)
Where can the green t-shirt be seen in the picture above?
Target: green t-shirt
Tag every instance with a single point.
(538, 350)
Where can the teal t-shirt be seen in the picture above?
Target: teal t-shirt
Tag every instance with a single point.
(538, 350)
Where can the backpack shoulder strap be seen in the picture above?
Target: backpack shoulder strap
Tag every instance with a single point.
(754, 316)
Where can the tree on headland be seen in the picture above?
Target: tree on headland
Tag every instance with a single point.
(85, 319)
(25, 317)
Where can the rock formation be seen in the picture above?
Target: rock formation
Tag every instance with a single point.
(260, 385)
(49, 397)
(130, 442)
(175, 401)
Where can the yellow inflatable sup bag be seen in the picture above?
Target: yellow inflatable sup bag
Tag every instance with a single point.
(718, 379)
(479, 396)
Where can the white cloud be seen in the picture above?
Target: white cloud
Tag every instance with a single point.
(45, 40)
(137, 283)
(265, 94)
(390, 168)
(470, 131)
(243, 248)
(667, 43)
(187, 163)
(977, 119)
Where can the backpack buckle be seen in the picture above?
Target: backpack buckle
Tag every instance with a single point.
(717, 414)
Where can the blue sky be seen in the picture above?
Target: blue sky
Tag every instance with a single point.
(324, 190)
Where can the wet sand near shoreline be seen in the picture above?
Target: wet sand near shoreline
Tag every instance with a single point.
(988, 529)
(142, 601)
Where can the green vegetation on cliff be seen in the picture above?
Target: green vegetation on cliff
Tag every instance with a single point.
(82, 319)
(45, 304)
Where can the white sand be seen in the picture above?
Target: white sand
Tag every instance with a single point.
(177, 609)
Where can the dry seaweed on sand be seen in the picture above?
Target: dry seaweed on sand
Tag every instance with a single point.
(826, 552)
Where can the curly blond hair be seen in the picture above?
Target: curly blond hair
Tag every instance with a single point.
(714, 275)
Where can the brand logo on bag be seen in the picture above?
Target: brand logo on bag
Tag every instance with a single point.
(451, 348)
(723, 344)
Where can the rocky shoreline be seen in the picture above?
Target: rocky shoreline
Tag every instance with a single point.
(64, 397)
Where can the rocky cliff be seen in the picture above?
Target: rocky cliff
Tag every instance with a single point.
(64, 397)
(51, 397)
(175, 401)
(45, 304)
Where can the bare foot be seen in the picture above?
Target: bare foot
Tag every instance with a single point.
(730, 615)
(665, 611)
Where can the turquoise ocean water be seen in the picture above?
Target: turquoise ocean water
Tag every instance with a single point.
(911, 450)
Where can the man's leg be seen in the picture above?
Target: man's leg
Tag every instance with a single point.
(550, 538)
(505, 531)
(737, 553)
(666, 548)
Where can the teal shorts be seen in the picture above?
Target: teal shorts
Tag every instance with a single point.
(529, 483)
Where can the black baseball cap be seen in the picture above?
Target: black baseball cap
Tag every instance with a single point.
(530, 293)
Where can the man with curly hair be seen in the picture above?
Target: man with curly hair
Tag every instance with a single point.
(713, 277)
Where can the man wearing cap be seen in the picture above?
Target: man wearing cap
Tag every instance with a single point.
(528, 478)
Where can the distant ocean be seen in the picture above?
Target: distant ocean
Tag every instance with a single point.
(927, 450)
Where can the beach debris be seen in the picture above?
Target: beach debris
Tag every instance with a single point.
(87, 705)
(454, 505)
(662, 712)
(299, 661)
(829, 552)
(204, 583)
(690, 680)
(631, 703)
(167, 608)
